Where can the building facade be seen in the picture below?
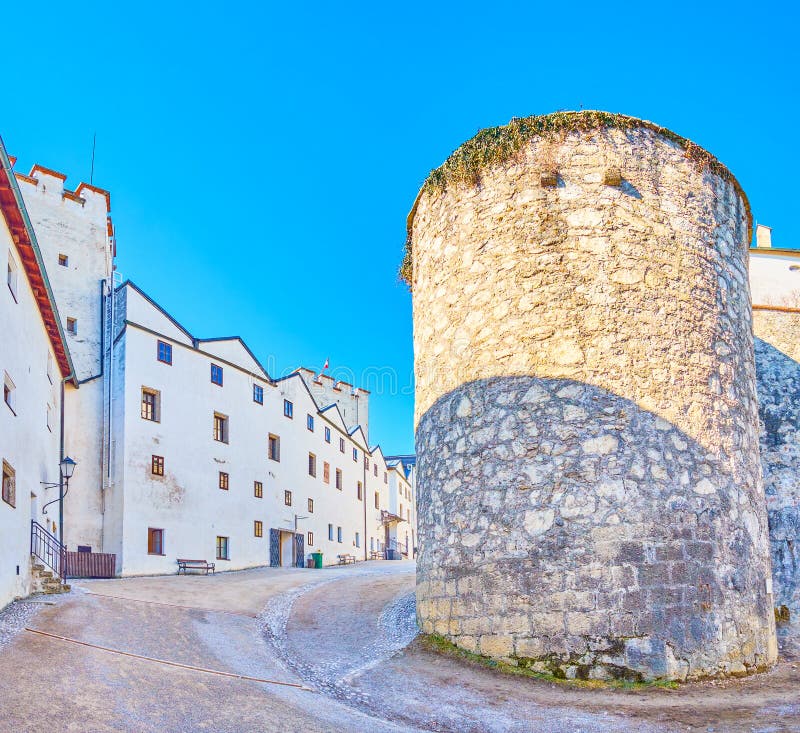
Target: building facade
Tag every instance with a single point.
(34, 365)
(186, 447)
(212, 458)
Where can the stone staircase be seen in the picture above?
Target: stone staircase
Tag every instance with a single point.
(43, 581)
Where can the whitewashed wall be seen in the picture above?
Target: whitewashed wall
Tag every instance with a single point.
(775, 278)
(187, 502)
(401, 501)
(353, 402)
(26, 443)
(78, 230)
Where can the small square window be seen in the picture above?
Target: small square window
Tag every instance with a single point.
(288, 409)
(165, 352)
(287, 498)
(326, 472)
(312, 465)
(274, 448)
(330, 532)
(223, 548)
(258, 490)
(258, 528)
(338, 534)
(310, 539)
(341, 445)
(155, 541)
(355, 454)
(358, 539)
(310, 422)
(375, 469)
(63, 260)
(327, 435)
(9, 485)
(157, 466)
(311, 506)
(72, 326)
(216, 375)
(360, 491)
(385, 477)
(339, 479)
(223, 480)
(258, 394)
(377, 500)
(366, 462)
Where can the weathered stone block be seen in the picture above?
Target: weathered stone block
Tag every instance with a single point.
(497, 646)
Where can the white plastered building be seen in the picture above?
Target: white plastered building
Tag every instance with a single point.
(774, 273)
(171, 462)
(34, 364)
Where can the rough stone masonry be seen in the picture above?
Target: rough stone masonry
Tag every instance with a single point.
(590, 493)
(778, 383)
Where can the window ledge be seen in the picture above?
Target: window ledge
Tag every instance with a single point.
(157, 554)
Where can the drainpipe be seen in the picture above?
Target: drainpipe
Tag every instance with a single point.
(61, 458)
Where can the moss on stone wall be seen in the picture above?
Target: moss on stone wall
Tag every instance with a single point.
(496, 145)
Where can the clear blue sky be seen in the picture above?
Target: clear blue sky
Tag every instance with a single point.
(262, 158)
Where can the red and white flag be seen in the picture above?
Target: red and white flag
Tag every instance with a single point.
(326, 364)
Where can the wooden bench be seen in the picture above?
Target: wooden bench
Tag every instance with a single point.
(184, 564)
(344, 559)
(376, 555)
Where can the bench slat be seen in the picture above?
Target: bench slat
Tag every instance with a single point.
(186, 564)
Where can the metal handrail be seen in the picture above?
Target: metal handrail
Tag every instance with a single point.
(396, 545)
(46, 548)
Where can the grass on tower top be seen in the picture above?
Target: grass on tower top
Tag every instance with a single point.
(494, 146)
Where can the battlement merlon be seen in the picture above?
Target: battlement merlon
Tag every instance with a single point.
(51, 182)
(353, 402)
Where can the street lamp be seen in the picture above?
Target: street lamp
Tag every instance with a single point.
(67, 469)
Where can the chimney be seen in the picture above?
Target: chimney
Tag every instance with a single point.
(763, 237)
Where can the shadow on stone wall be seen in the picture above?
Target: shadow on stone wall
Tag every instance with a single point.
(778, 385)
(567, 529)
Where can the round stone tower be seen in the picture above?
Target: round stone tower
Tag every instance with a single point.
(590, 495)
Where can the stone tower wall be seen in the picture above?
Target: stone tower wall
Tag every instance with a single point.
(590, 496)
(777, 349)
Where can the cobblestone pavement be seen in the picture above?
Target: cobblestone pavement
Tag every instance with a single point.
(344, 633)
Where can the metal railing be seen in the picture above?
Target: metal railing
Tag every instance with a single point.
(394, 547)
(46, 548)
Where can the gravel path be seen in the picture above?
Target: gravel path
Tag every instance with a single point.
(348, 641)
(392, 630)
(353, 641)
(16, 616)
(348, 633)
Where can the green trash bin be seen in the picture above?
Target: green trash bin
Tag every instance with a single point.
(317, 559)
